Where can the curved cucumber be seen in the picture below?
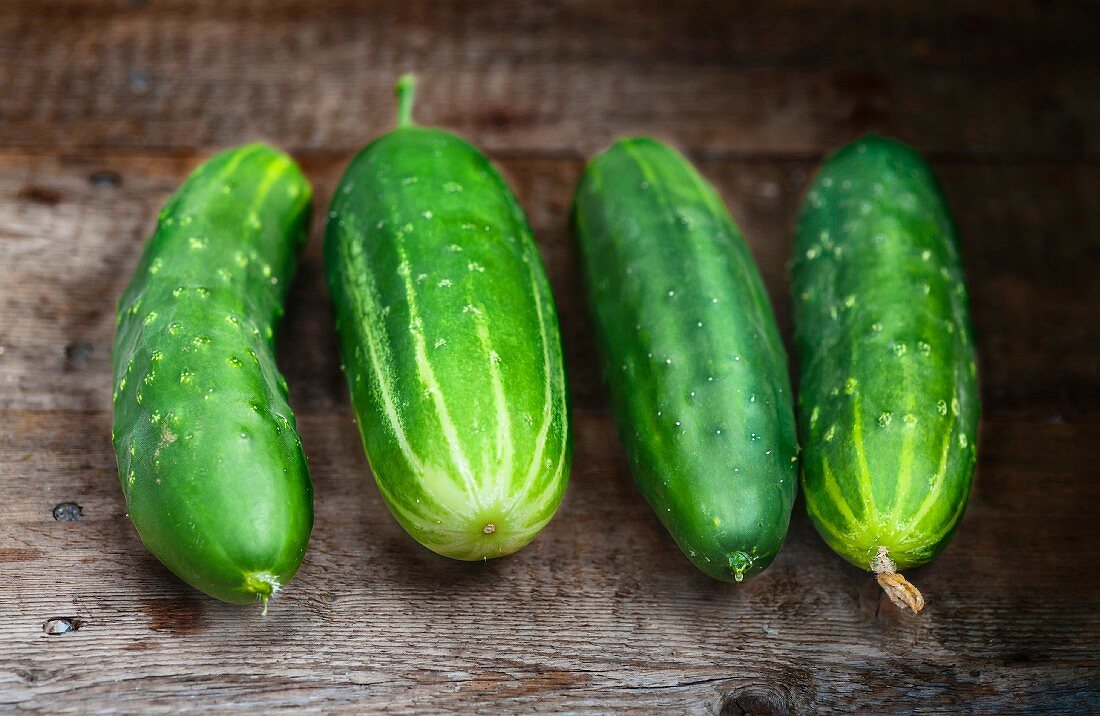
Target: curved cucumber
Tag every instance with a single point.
(889, 397)
(450, 342)
(209, 458)
(692, 356)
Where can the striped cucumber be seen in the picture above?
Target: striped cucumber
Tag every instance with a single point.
(449, 341)
(210, 462)
(691, 354)
(889, 399)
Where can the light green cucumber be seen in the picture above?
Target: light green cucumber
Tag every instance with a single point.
(449, 341)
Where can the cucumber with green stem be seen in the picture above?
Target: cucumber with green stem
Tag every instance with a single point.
(449, 340)
(209, 458)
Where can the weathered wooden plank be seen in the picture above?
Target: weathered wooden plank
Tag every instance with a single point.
(600, 612)
(69, 238)
(106, 107)
(553, 77)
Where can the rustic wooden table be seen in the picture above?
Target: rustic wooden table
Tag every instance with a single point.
(105, 107)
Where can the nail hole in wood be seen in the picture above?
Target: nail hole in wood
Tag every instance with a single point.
(76, 354)
(61, 625)
(105, 179)
(67, 512)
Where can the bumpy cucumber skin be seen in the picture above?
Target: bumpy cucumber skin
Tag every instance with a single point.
(450, 344)
(209, 457)
(888, 401)
(692, 356)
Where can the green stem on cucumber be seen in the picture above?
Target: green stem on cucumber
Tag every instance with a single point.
(406, 95)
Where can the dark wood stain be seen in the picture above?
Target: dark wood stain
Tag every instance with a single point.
(180, 616)
(504, 118)
(758, 700)
(39, 195)
(20, 555)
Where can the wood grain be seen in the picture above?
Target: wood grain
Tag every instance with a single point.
(601, 612)
(553, 77)
(108, 105)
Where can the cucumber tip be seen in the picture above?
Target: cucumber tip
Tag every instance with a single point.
(740, 563)
(264, 585)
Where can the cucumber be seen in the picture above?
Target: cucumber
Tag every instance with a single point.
(209, 458)
(691, 355)
(450, 342)
(888, 401)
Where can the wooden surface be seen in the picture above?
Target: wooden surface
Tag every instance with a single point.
(105, 107)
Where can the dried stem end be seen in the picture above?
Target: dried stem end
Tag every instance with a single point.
(903, 594)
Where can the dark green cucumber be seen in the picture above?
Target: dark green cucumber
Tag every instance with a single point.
(208, 454)
(889, 398)
(692, 356)
(449, 341)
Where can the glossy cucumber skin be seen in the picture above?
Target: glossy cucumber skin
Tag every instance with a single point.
(692, 356)
(888, 401)
(450, 344)
(209, 457)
